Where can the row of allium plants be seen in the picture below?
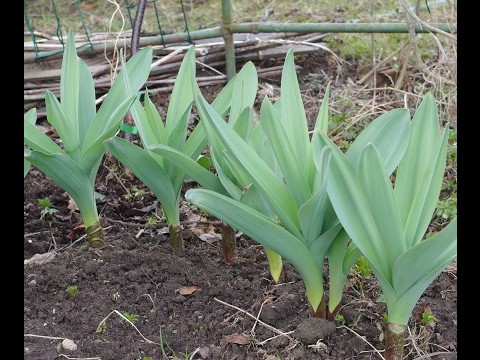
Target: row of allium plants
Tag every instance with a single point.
(293, 191)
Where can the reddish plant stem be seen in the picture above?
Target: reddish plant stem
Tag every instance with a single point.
(321, 311)
(331, 314)
(228, 243)
(394, 341)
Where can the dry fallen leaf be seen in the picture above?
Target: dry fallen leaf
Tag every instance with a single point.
(187, 290)
(237, 338)
(40, 258)
(72, 206)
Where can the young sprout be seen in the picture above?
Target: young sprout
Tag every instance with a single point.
(72, 291)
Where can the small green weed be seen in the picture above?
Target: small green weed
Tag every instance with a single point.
(135, 193)
(46, 206)
(361, 272)
(340, 318)
(101, 329)
(133, 318)
(72, 291)
(428, 318)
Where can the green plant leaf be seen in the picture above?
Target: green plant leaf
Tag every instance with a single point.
(322, 118)
(377, 187)
(148, 171)
(289, 162)
(352, 208)
(182, 97)
(37, 140)
(86, 100)
(424, 137)
(263, 177)
(337, 272)
(64, 172)
(138, 69)
(266, 232)
(275, 264)
(157, 127)
(244, 92)
(423, 206)
(196, 171)
(69, 85)
(58, 118)
(389, 133)
(428, 254)
(292, 113)
(93, 152)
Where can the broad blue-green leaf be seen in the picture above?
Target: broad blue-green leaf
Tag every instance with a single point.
(321, 245)
(67, 132)
(289, 163)
(321, 125)
(197, 172)
(433, 258)
(377, 187)
(424, 137)
(263, 230)
(292, 112)
(226, 178)
(352, 208)
(69, 84)
(424, 204)
(389, 133)
(155, 121)
(148, 171)
(182, 95)
(64, 172)
(138, 69)
(263, 148)
(337, 274)
(322, 118)
(143, 124)
(176, 139)
(177, 135)
(244, 91)
(428, 254)
(281, 200)
(312, 212)
(87, 108)
(244, 123)
(93, 151)
(37, 140)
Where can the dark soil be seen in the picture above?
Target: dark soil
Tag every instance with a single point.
(188, 300)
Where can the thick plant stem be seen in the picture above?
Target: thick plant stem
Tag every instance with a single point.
(394, 340)
(228, 243)
(331, 314)
(321, 311)
(95, 236)
(176, 238)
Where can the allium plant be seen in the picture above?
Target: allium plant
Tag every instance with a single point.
(304, 228)
(241, 90)
(74, 164)
(388, 223)
(166, 176)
